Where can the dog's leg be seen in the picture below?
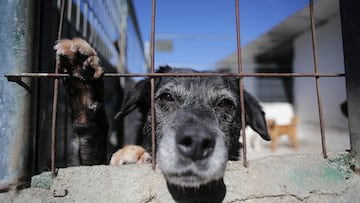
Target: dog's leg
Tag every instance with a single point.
(130, 154)
(293, 138)
(85, 88)
(274, 141)
(293, 133)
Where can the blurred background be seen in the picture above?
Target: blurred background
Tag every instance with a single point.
(275, 38)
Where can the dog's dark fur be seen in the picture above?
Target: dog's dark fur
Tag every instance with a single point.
(197, 124)
(85, 89)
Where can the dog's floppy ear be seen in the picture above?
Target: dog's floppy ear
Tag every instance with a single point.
(255, 116)
(137, 96)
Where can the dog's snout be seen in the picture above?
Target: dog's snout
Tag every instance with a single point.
(195, 142)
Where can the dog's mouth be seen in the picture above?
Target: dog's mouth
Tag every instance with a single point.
(213, 191)
(190, 178)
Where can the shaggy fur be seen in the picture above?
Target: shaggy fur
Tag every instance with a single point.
(197, 124)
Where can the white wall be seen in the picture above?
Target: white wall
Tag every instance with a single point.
(330, 60)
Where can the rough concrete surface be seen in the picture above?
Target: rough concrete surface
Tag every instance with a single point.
(285, 178)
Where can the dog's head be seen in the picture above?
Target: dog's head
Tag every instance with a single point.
(197, 124)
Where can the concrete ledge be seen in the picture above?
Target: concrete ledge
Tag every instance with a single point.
(294, 178)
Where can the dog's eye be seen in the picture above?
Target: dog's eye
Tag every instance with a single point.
(166, 97)
(226, 104)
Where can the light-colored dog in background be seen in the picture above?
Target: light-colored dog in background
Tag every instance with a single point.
(281, 120)
(276, 131)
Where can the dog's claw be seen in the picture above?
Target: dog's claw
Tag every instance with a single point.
(93, 62)
(130, 154)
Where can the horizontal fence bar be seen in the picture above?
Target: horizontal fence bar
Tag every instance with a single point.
(40, 75)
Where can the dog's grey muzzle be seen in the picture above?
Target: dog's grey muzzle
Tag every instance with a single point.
(198, 153)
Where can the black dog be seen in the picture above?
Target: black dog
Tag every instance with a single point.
(85, 88)
(197, 125)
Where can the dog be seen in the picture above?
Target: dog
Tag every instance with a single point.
(276, 131)
(85, 89)
(197, 125)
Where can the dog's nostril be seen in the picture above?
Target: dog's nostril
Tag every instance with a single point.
(207, 143)
(207, 147)
(186, 141)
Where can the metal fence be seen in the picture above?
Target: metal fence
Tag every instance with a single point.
(88, 5)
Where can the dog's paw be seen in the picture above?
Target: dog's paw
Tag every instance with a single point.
(130, 154)
(63, 47)
(78, 58)
(82, 47)
(64, 55)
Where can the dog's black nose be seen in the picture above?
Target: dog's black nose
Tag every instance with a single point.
(195, 142)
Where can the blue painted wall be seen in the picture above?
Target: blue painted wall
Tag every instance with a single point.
(15, 57)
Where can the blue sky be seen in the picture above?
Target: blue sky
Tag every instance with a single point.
(203, 31)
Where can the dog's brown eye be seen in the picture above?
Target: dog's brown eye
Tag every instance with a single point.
(226, 104)
(166, 97)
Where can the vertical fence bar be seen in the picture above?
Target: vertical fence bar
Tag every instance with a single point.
(85, 17)
(241, 83)
(317, 78)
(55, 98)
(69, 10)
(78, 16)
(152, 81)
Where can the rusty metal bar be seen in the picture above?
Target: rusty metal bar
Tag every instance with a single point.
(53, 127)
(206, 74)
(214, 74)
(317, 78)
(152, 83)
(19, 81)
(55, 99)
(241, 84)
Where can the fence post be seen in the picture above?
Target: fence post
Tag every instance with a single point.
(16, 56)
(350, 23)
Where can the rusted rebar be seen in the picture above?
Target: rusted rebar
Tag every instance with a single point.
(206, 74)
(317, 78)
(241, 84)
(55, 98)
(152, 84)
